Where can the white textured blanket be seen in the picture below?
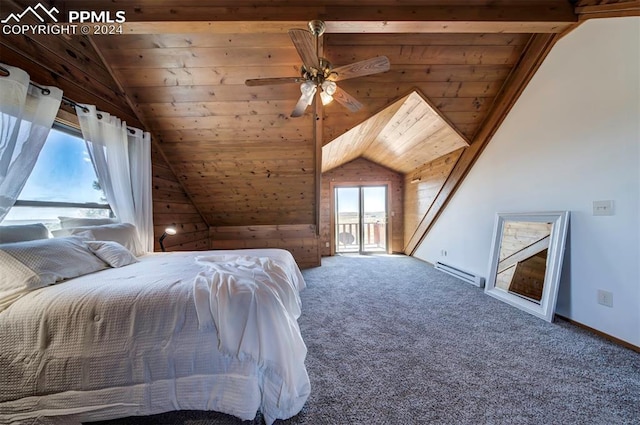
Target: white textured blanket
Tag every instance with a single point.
(253, 303)
(128, 342)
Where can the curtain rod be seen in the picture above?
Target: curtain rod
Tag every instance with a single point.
(45, 91)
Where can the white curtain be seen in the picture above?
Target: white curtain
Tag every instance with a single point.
(140, 171)
(26, 116)
(122, 159)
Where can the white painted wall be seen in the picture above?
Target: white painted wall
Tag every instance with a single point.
(573, 137)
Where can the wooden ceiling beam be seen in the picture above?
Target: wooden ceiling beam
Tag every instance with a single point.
(381, 27)
(354, 19)
(609, 10)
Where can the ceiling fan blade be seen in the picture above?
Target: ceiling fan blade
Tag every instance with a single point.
(346, 100)
(269, 81)
(360, 69)
(301, 106)
(306, 46)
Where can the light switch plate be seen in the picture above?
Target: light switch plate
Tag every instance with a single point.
(602, 207)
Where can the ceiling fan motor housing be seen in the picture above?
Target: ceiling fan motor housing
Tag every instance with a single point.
(317, 75)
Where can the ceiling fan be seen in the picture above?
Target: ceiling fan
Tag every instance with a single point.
(317, 73)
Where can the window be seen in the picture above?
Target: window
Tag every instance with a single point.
(63, 183)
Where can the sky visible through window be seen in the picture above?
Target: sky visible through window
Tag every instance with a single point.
(374, 199)
(63, 173)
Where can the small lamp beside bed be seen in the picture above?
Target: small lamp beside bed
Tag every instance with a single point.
(169, 231)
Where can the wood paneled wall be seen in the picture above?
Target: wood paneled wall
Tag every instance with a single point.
(72, 64)
(421, 188)
(299, 239)
(362, 171)
(172, 207)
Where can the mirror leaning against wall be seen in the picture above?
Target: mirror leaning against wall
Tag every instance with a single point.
(526, 260)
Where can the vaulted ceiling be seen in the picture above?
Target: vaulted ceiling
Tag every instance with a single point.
(235, 148)
(180, 67)
(402, 137)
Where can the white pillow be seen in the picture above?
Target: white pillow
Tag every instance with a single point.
(34, 264)
(23, 232)
(82, 231)
(15, 280)
(123, 233)
(69, 222)
(61, 233)
(112, 253)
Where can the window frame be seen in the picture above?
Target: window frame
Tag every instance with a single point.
(75, 132)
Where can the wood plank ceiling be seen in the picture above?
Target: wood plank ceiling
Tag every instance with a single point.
(240, 157)
(402, 137)
(235, 149)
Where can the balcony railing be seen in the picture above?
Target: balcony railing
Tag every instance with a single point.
(348, 237)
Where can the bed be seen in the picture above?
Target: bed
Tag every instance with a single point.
(206, 330)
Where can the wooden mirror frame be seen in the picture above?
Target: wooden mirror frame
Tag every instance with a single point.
(560, 223)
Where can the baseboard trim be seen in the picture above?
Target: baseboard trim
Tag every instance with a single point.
(613, 339)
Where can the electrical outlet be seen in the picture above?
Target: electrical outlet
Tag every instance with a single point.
(443, 252)
(605, 298)
(326, 244)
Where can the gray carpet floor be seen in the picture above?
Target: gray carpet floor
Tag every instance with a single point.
(393, 341)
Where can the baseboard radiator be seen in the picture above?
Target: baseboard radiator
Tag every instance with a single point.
(461, 274)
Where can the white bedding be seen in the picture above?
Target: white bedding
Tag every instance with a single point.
(127, 341)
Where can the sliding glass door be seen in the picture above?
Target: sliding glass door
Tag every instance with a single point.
(374, 218)
(361, 219)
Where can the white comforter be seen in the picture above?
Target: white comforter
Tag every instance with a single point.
(254, 305)
(132, 341)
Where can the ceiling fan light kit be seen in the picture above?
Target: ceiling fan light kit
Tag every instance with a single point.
(317, 73)
(308, 89)
(328, 90)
